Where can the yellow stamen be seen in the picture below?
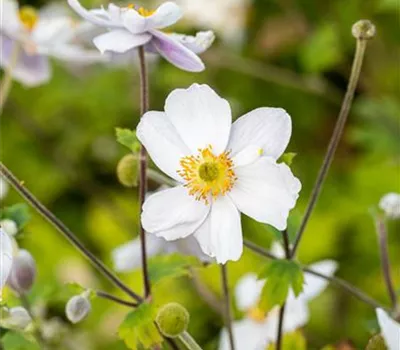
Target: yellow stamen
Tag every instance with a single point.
(141, 10)
(207, 174)
(256, 314)
(28, 17)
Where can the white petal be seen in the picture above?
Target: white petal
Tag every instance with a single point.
(314, 285)
(10, 22)
(120, 41)
(247, 334)
(132, 21)
(51, 30)
(390, 330)
(220, 236)
(247, 156)
(198, 43)
(390, 204)
(277, 250)
(6, 252)
(248, 291)
(128, 256)
(200, 116)
(167, 14)
(269, 128)
(173, 213)
(162, 142)
(265, 191)
(76, 54)
(190, 246)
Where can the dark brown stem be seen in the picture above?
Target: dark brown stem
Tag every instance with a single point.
(65, 231)
(336, 136)
(115, 299)
(227, 305)
(144, 107)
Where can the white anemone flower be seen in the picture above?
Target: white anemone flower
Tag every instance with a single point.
(390, 204)
(28, 39)
(131, 27)
(390, 330)
(6, 257)
(258, 329)
(9, 226)
(222, 169)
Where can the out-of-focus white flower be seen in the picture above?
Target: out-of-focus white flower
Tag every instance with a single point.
(3, 186)
(131, 27)
(6, 257)
(222, 169)
(258, 329)
(390, 204)
(390, 330)
(9, 226)
(226, 17)
(17, 318)
(78, 307)
(23, 272)
(28, 39)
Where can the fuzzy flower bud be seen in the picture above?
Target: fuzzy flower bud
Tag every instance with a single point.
(390, 204)
(23, 272)
(172, 319)
(376, 343)
(16, 318)
(78, 307)
(363, 29)
(127, 170)
(9, 226)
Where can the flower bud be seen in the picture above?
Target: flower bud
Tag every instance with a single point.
(23, 272)
(78, 307)
(390, 204)
(127, 170)
(363, 29)
(9, 226)
(376, 343)
(172, 319)
(17, 318)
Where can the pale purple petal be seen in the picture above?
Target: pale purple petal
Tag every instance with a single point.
(167, 14)
(198, 43)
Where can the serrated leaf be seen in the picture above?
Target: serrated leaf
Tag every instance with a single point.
(127, 138)
(171, 266)
(292, 341)
(281, 275)
(287, 158)
(19, 213)
(139, 329)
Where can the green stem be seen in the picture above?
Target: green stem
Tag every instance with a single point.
(115, 299)
(189, 342)
(6, 83)
(227, 305)
(37, 331)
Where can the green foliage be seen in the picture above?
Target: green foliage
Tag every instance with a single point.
(18, 341)
(292, 341)
(127, 138)
(376, 343)
(172, 319)
(171, 266)
(138, 328)
(19, 213)
(287, 158)
(281, 275)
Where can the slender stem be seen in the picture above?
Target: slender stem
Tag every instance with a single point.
(37, 331)
(336, 136)
(111, 297)
(227, 305)
(334, 280)
(286, 244)
(161, 179)
(65, 231)
(6, 83)
(144, 106)
(189, 341)
(383, 246)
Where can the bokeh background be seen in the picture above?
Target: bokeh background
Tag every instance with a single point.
(296, 54)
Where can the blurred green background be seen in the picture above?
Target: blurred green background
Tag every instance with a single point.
(296, 54)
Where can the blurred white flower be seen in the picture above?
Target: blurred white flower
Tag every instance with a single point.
(9, 226)
(3, 185)
(6, 257)
(78, 307)
(390, 204)
(131, 27)
(222, 169)
(23, 272)
(28, 39)
(17, 318)
(390, 330)
(258, 329)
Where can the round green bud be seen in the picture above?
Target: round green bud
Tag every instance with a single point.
(363, 29)
(127, 170)
(172, 319)
(376, 343)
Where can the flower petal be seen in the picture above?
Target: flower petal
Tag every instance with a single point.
(247, 155)
(198, 43)
(220, 236)
(278, 250)
(266, 191)
(314, 285)
(166, 14)
(162, 142)
(269, 128)
(173, 213)
(176, 53)
(190, 246)
(132, 21)
(6, 252)
(200, 116)
(120, 41)
(390, 330)
(10, 22)
(248, 291)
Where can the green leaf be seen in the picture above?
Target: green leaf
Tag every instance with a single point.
(171, 266)
(139, 328)
(19, 213)
(281, 275)
(127, 138)
(287, 158)
(292, 341)
(18, 341)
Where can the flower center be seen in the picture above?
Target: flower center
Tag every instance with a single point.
(141, 10)
(28, 17)
(256, 314)
(207, 174)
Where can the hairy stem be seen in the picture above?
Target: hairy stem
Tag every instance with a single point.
(144, 106)
(37, 331)
(336, 136)
(115, 299)
(189, 341)
(6, 83)
(385, 262)
(227, 305)
(65, 231)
